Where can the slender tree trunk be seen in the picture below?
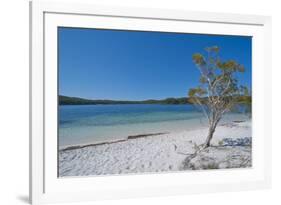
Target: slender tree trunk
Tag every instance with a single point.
(212, 129)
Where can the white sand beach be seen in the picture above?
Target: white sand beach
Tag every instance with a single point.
(230, 148)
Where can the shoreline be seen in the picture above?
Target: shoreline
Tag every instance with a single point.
(155, 152)
(130, 137)
(142, 135)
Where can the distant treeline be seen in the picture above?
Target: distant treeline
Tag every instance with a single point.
(65, 100)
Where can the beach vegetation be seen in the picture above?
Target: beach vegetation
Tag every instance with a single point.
(219, 90)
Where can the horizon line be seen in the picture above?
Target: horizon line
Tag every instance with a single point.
(85, 98)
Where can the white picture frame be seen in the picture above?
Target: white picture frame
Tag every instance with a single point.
(46, 187)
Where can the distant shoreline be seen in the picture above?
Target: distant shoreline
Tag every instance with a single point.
(66, 100)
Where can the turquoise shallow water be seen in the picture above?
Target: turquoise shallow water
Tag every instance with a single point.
(82, 124)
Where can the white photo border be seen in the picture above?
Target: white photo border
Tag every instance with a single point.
(45, 186)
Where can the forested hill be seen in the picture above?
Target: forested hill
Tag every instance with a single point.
(65, 100)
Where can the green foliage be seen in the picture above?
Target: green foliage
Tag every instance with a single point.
(198, 59)
(64, 100)
(197, 91)
(218, 89)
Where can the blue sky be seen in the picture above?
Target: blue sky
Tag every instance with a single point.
(132, 65)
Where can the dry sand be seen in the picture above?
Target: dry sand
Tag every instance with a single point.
(161, 152)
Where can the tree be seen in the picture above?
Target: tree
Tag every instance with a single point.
(218, 90)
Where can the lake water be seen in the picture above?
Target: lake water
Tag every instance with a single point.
(83, 124)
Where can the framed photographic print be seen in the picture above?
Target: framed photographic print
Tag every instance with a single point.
(129, 102)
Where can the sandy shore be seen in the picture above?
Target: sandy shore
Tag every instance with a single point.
(161, 152)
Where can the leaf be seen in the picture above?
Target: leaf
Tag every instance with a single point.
(198, 59)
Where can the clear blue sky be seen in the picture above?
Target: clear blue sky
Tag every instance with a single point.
(132, 65)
